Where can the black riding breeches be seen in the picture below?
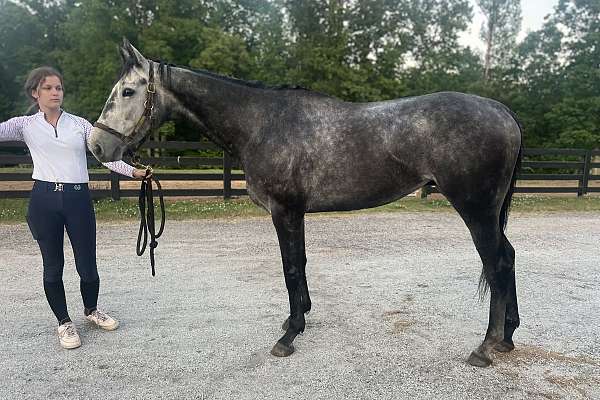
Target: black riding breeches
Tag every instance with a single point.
(52, 208)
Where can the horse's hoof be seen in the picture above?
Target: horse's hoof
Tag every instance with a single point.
(281, 350)
(477, 359)
(504, 347)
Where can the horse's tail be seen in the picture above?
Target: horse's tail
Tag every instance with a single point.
(503, 218)
(511, 189)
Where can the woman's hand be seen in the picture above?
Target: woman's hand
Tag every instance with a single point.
(141, 173)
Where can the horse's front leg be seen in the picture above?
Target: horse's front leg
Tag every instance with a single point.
(289, 225)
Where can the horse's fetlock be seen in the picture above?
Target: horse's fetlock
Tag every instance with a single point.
(512, 323)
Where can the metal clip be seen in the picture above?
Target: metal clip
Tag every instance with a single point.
(58, 187)
(151, 87)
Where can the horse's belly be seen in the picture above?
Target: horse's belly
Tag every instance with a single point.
(358, 194)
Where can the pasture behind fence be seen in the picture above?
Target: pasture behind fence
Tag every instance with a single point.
(538, 165)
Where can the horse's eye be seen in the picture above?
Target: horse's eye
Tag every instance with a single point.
(127, 92)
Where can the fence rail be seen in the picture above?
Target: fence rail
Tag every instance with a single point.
(579, 170)
(9, 157)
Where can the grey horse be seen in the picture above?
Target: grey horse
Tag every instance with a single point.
(305, 152)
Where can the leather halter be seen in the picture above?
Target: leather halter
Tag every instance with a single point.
(146, 198)
(130, 139)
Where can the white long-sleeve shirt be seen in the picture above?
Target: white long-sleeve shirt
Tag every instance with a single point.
(59, 154)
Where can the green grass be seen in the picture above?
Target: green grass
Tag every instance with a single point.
(533, 204)
(14, 210)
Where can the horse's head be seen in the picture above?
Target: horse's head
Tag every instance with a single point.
(131, 111)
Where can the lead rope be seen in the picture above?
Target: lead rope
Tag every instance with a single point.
(147, 223)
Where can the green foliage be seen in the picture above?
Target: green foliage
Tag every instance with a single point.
(357, 50)
(27, 40)
(577, 122)
(557, 78)
(224, 53)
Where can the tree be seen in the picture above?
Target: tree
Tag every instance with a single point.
(28, 32)
(435, 57)
(575, 118)
(558, 78)
(499, 31)
(319, 55)
(88, 54)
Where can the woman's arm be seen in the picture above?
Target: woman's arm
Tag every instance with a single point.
(120, 167)
(12, 129)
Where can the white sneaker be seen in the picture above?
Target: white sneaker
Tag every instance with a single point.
(68, 336)
(103, 320)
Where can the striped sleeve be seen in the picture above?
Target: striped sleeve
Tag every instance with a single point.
(119, 167)
(13, 129)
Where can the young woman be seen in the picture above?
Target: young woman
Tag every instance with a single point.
(60, 197)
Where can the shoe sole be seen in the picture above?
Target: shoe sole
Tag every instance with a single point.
(111, 327)
(70, 346)
(106, 328)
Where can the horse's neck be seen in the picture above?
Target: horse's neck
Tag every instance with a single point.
(217, 105)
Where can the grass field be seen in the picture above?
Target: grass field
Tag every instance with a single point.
(14, 210)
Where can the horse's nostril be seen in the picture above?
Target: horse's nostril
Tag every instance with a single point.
(97, 150)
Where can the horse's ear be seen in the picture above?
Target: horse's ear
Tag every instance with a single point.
(131, 55)
(124, 52)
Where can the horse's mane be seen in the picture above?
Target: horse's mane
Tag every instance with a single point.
(252, 84)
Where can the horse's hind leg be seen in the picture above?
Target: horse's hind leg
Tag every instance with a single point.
(497, 256)
(289, 225)
(512, 320)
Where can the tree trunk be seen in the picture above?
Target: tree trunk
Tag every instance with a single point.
(488, 52)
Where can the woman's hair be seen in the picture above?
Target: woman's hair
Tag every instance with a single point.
(36, 78)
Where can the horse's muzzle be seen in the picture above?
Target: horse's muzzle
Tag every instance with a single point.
(105, 147)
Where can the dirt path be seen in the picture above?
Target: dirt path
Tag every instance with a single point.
(394, 316)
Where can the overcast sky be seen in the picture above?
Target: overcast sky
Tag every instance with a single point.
(532, 11)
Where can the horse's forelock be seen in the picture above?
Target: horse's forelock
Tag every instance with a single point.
(127, 66)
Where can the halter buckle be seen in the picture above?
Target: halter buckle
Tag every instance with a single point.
(146, 108)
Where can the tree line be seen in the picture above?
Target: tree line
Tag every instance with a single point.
(356, 50)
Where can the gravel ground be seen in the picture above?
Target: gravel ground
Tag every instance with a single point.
(395, 313)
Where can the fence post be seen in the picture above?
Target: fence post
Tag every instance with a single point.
(115, 186)
(583, 183)
(226, 175)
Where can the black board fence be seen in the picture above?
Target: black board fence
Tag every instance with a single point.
(579, 168)
(116, 191)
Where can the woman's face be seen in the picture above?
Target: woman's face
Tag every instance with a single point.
(49, 94)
